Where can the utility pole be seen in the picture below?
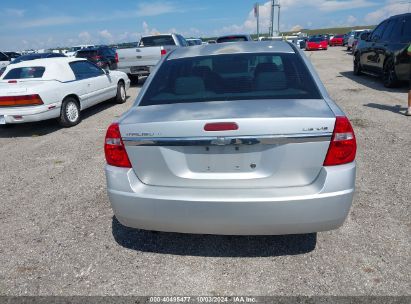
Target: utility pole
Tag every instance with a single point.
(257, 15)
(278, 21)
(271, 29)
(274, 4)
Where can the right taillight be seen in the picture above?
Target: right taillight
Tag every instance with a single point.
(114, 149)
(163, 52)
(343, 146)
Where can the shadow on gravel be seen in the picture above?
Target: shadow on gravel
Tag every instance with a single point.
(212, 245)
(395, 109)
(41, 128)
(373, 83)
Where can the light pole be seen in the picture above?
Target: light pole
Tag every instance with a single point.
(274, 4)
(278, 21)
(271, 28)
(257, 15)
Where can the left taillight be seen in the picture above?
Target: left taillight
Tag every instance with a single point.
(116, 58)
(18, 101)
(114, 149)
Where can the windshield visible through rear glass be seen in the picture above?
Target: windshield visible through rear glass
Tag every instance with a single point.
(231, 77)
(231, 39)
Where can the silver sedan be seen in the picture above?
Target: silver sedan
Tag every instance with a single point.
(235, 139)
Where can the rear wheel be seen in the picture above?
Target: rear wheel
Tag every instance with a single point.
(121, 96)
(390, 78)
(70, 113)
(357, 65)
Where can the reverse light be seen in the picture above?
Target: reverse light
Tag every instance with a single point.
(114, 149)
(343, 146)
(18, 101)
(221, 126)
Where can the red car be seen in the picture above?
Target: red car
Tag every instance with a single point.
(316, 43)
(337, 40)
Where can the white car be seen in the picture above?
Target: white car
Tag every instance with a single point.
(56, 88)
(353, 35)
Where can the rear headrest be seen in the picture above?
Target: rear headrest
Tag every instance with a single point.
(271, 81)
(265, 67)
(188, 85)
(201, 70)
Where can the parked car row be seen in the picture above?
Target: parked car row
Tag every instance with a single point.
(61, 88)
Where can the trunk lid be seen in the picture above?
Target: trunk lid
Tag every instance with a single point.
(279, 143)
(19, 88)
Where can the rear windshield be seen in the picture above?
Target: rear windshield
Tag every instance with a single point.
(25, 73)
(231, 77)
(157, 40)
(231, 39)
(86, 54)
(316, 39)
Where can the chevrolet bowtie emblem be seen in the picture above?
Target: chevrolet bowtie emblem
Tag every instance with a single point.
(221, 141)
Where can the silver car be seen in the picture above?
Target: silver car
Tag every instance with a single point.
(235, 139)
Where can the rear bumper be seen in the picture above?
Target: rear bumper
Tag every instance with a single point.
(322, 206)
(135, 72)
(30, 114)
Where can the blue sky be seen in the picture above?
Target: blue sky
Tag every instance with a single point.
(42, 24)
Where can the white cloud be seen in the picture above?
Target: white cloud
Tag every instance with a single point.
(351, 20)
(155, 8)
(49, 21)
(128, 37)
(390, 8)
(13, 12)
(296, 28)
(324, 6)
(149, 31)
(106, 36)
(336, 5)
(84, 37)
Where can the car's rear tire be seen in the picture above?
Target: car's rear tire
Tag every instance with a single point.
(348, 48)
(357, 65)
(389, 75)
(70, 113)
(121, 96)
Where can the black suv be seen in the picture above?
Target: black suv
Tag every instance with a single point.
(103, 56)
(383, 51)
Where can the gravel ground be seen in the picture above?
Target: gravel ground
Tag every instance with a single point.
(59, 237)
